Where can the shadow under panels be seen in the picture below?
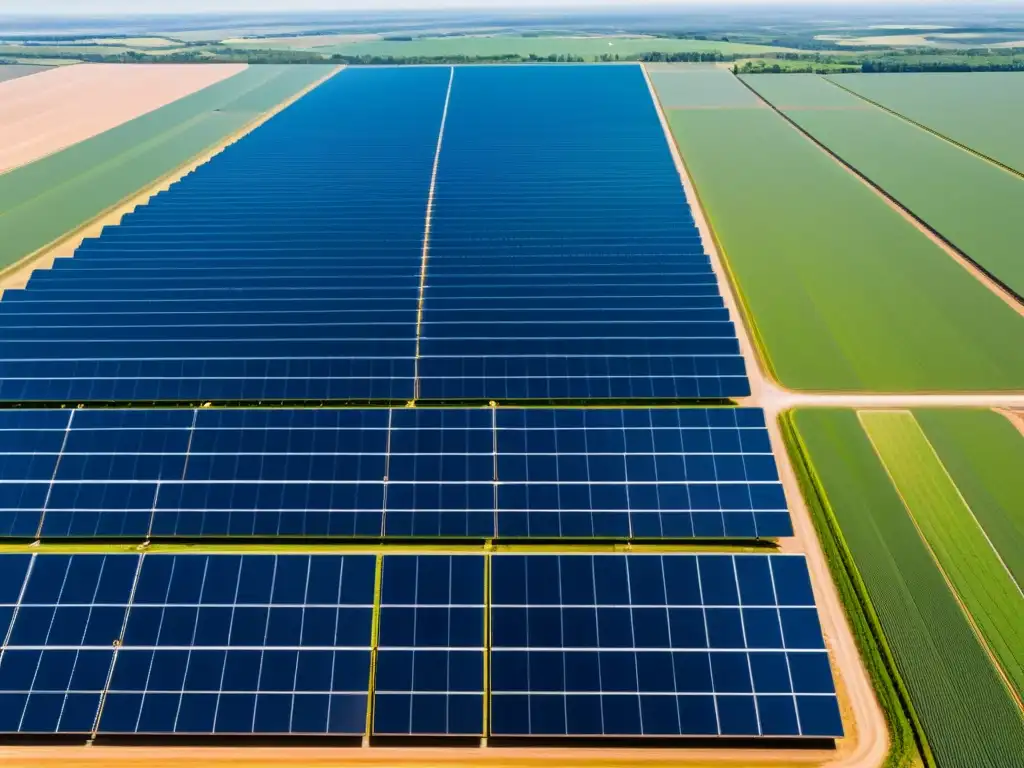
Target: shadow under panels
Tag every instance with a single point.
(576, 645)
(563, 258)
(371, 473)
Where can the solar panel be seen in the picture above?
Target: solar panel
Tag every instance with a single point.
(57, 655)
(441, 473)
(476, 473)
(643, 473)
(657, 645)
(287, 267)
(240, 644)
(564, 261)
(430, 663)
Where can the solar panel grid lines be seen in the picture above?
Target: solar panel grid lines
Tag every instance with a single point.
(413, 644)
(57, 657)
(557, 259)
(620, 474)
(583, 649)
(232, 644)
(430, 658)
(337, 172)
(560, 143)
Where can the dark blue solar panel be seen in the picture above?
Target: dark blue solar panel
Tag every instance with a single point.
(288, 266)
(478, 473)
(564, 260)
(637, 474)
(229, 644)
(441, 472)
(669, 645)
(58, 652)
(430, 662)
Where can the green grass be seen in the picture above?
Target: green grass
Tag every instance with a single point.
(44, 200)
(983, 110)
(513, 45)
(984, 453)
(845, 293)
(966, 712)
(970, 562)
(972, 203)
(908, 745)
(680, 87)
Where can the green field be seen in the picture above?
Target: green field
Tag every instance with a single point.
(682, 88)
(967, 713)
(983, 110)
(983, 453)
(513, 45)
(957, 540)
(44, 200)
(832, 275)
(972, 203)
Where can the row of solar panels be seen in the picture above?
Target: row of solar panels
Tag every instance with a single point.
(506, 644)
(479, 473)
(563, 259)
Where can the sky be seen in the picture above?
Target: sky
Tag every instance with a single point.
(83, 7)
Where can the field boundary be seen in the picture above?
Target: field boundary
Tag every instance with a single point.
(762, 358)
(932, 131)
(990, 280)
(74, 236)
(979, 635)
(889, 687)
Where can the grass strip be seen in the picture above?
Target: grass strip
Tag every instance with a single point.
(966, 712)
(908, 744)
(983, 453)
(964, 553)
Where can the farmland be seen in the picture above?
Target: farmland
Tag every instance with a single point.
(67, 105)
(983, 453)
(807, 243)
(958, 542)
(981, 110)
(967, 200)
(967, 714)
(42, 201)
(14, 71)
(587, 47)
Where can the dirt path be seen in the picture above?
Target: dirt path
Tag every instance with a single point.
(867, 740)
(52, 110)
(388, 757)
(1016, 418)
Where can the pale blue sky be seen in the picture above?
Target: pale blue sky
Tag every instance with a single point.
(192, 6)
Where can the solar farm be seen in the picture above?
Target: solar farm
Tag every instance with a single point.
(459, 413)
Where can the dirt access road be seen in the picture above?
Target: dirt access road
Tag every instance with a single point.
(52, 110)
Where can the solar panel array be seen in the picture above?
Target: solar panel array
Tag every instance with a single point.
(287, 267)
(578, 645)
(563, 261)
(410, 472)
(471, 236)
(670, 645)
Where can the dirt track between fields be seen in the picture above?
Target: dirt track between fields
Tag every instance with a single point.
(867, 740)
(52, 110)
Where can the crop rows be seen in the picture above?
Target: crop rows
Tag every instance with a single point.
(966, 712)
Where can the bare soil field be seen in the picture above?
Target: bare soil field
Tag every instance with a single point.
(52, 110)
